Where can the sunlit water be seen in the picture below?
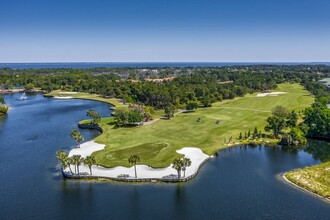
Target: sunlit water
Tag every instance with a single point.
(242, 183)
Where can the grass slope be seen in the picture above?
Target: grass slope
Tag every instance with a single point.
(156, 144)
(315, 179)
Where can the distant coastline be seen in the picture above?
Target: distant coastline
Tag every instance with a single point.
(144, 64)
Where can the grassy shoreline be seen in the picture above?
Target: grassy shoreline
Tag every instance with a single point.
(116, 103)
(4, 109)
(314, 179)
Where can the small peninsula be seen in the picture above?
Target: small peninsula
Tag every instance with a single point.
(315, 179)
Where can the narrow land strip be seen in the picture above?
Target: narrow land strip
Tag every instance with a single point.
(315, 179)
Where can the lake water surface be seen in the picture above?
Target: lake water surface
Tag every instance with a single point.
(242, 183)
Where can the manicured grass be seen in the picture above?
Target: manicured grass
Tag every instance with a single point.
(156, 144)
(80, 95)
(108, 120)
(148, 151)
(315, 179)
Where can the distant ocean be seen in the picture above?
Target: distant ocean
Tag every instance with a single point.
(144, 64)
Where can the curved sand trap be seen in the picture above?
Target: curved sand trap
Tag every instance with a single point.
(64, 97)
(270, 94)
(86, 149)
(68, 93)
(196, 156)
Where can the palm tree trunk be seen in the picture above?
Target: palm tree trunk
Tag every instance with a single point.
(90, 169)
(135, 171)
(184, 173)
(70, 169)
(179, 174)
(78, 168)
(75, 169)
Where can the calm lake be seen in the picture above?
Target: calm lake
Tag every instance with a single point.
(241, 183)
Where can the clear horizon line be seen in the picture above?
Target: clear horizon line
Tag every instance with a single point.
(50, 62)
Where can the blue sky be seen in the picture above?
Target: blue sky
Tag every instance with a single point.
(164, 30)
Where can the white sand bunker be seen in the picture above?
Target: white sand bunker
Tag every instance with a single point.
(67, 93)
(196, 156)
(63, 97)
(270, 94)
(86, 149)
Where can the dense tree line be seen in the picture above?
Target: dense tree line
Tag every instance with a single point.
(191, 85)
(317, 117)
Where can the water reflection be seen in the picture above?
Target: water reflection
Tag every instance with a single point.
(3, 119)
(319, 149)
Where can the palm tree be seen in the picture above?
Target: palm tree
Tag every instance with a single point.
(186, 162)
(89, 161)
(133, 159)
(61, 155)
(73, 162)
(177, 164)
(77, 160)
(65, 160)
(95, 117)
(68, 162)
(77, 136)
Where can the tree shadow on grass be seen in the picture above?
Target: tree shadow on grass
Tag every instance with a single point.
(125, 126)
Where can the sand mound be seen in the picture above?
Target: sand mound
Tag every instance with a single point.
(270, 94)
(63, 97)
(68, 93)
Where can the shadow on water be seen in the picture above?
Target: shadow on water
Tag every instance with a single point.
(56, 172)
(180, 200)
(319, 149)
(3, 119)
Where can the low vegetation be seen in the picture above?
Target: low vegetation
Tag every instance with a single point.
(315, 179)
(3, 107)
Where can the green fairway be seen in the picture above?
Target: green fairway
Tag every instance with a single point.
(156, 143)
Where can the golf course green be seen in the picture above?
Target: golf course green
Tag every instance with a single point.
(156, 143)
